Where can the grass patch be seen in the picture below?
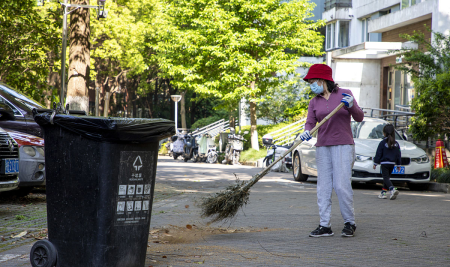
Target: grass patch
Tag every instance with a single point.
(252, 155)
(21, 217)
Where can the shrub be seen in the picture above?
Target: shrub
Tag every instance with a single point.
(441, 175)
(163, 149)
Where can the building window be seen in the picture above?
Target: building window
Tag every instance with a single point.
(408, 3)
(365, 30)
(330, 35)
(344, 27)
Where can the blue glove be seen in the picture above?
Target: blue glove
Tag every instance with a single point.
(305, 136)
(347, 100)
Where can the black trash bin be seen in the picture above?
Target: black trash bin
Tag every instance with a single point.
(100, 182)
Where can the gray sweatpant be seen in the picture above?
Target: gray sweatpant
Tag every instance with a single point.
(334, 170)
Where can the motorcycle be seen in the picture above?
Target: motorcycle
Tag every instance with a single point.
(274, 152)
(234, 147)
(206, 149)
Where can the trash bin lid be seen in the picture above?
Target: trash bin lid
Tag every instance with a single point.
(110, 129)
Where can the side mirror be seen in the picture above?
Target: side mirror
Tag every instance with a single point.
(405, 136)
(6, 112)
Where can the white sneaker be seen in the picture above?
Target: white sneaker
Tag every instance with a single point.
(394, 194)
(382, 195)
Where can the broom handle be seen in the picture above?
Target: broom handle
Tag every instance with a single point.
(260, 175)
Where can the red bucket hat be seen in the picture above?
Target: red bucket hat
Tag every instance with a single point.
(319, 71)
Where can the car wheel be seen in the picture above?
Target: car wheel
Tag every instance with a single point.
(185, 159)
(43, 254)
(418, 187)
(298, 175)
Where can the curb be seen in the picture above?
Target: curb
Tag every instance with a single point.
(258, 163)
(439, 187)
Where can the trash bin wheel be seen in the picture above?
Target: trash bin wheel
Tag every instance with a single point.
(43, 254)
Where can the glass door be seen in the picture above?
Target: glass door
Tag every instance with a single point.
(400, 89)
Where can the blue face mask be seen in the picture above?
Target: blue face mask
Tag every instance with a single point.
(316, 88)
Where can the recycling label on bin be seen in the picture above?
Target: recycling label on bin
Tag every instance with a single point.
(134, 190)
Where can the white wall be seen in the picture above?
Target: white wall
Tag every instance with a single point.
(362, 77)
(441, 16)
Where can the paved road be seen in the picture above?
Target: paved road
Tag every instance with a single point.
(272, 230)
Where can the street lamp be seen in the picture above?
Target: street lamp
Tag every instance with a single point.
(66, 6)
(102, 13)
(176, 99)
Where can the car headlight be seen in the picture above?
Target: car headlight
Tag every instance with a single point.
(361, 158)
(29, 150)
(421, 159)
(40, 150)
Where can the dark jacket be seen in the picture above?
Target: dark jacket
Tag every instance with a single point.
(386, 155)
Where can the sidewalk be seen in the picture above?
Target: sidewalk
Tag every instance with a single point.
(272, 230)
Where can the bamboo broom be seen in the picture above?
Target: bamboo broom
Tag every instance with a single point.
(225, 204)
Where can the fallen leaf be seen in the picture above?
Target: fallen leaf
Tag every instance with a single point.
(164, 257)
(188, 226)
(394, 238)
(266, 228)
(20, 235)
(187, 206)
(156, 241)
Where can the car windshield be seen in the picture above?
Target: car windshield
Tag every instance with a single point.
(19, 97)
(370, 130)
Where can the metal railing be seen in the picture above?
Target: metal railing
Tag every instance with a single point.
(329, 4)
(287, 134)
(400, 119)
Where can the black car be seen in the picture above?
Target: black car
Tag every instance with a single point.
(16, 111)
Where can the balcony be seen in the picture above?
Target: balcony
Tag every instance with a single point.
(329, 4)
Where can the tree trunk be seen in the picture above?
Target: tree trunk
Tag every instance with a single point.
(171, 105)
(192, 113)
(183, 110)
(254, 132)
(79, 57)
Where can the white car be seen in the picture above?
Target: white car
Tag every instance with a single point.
(415, 168)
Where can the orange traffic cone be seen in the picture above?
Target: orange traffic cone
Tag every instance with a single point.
(440, 158)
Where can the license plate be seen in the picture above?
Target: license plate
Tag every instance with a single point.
(402, 170)
(10, 166)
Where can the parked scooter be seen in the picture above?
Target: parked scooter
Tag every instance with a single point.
(274, 152)
(206, 149)
(177, 146)
(234, 147)
(190, 147)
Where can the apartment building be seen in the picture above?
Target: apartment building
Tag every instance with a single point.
(361, 36)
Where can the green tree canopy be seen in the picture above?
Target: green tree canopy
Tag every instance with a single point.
(232, 48)
(430, 69)
(286, 101)
(27, 35)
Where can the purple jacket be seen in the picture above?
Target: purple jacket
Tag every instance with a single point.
(337, 130)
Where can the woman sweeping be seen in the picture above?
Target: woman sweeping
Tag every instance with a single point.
(335, 150)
